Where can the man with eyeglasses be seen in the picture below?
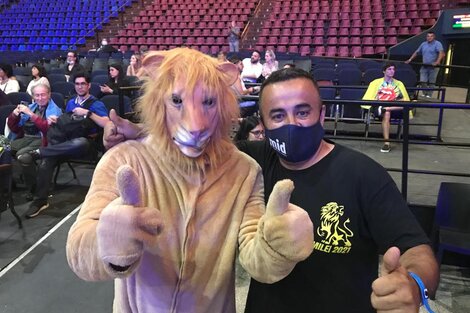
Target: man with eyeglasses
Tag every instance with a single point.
(29, 124)
(84, 107)
(72, 67)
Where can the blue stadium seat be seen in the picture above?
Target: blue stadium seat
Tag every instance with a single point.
(67, 89)
(100, 79)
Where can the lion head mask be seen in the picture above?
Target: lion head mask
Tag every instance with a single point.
(187, 106)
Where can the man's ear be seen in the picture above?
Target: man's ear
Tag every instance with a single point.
(322, 115)
(230, 71)
(151, 61)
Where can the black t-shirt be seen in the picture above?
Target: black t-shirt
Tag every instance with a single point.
(357, 213)
(76, 68)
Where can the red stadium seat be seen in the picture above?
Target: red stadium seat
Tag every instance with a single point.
(369, 50)
(331, 51)
(304, 50)
(293, 49)
(319, 51)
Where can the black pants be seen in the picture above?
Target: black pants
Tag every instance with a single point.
(50, 156)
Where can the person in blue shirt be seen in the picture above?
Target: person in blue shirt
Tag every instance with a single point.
(83, 104)
(433, 53)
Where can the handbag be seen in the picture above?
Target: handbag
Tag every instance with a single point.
(70, 126)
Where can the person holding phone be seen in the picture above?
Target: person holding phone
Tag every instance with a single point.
(117, 79)
(29, 124)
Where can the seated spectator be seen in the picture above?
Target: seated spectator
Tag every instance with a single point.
(117, 79)
(61, 144)
(250, 129)
(39, 78)
(270, 65)
(105, 47)
(134, 65)
(7, 83)
(252, 67)
(248, 107)
(239, 85)
(73, 67)
(387, 89)
(29, 124)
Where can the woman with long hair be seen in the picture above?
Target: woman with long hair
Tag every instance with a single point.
(270, 65)
(39, 74)
(8, 83)
(134, 65)
(117, 79)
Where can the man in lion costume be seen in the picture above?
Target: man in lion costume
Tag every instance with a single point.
(165, 215)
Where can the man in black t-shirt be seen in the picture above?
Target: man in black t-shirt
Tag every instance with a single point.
(356, 208)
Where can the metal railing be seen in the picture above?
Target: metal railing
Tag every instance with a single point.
(405, 170)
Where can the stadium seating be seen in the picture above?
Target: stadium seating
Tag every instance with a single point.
(54, 24)
(335, 23)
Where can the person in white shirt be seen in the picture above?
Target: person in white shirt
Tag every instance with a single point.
(271, 64)
(252, 67)
(7, 84)
(39, 78)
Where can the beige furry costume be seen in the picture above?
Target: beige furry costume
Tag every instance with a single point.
(199, 218)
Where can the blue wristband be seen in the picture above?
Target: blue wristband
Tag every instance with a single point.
(423, 290)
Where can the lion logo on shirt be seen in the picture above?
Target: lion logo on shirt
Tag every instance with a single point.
(330, 229)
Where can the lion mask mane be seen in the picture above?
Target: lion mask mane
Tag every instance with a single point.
(160, 70)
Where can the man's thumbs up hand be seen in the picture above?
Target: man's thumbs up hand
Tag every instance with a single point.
(394, 290)
(125, 227)
(287, 228)
(118, 130)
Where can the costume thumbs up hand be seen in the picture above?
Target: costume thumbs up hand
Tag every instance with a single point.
(287, 228)
(125, 227)
(128, 185)
(279, 198)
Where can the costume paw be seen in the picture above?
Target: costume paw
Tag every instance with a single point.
(125, 228)
(287, 228)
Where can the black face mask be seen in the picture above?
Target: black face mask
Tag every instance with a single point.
(295, 143)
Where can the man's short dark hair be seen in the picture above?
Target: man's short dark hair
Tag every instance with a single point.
(73, 52)
(387, 65)
(257, 52)
(84, 75)
(285, 75)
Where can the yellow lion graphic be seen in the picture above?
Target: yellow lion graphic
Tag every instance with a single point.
(330, 229)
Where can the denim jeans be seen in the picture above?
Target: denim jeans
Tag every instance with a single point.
(234, 46)
(427, 77)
